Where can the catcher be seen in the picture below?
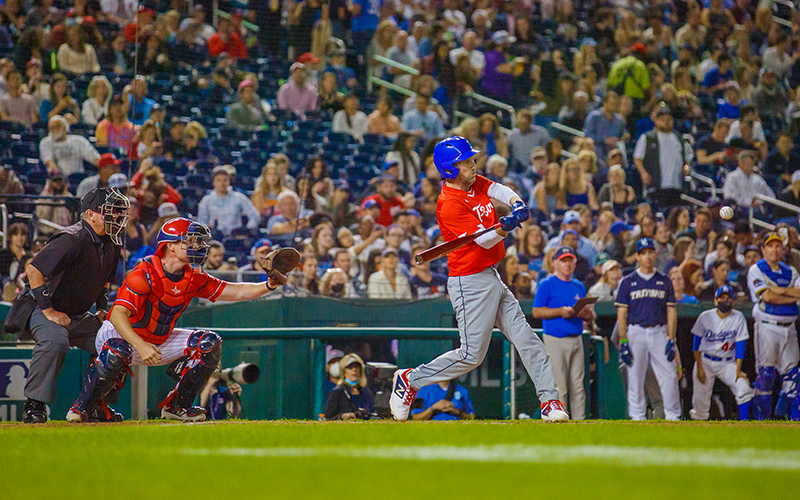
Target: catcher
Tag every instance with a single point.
(139, 328)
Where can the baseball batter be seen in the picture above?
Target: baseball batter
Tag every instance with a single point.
(479, 297)
(775, 290)
(647, 318)
(720, 340)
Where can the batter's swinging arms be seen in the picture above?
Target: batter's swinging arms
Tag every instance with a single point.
(479, 297)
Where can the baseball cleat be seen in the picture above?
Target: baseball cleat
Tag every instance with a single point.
(554, 411)
(191, 414)
(403, 395)
(34, 412)
(76, 416)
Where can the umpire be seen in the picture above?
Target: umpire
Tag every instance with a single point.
(66, 277)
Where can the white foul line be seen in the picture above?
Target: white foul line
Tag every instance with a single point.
(631, 456)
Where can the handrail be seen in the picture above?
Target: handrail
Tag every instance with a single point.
(569, 130)
(52, 225)
(569, 155)
(693, 200)
(392, 86)
(247, 24)
(773, 201)
(706, 180)
(495, 103)
(4, 211)
(395, 64)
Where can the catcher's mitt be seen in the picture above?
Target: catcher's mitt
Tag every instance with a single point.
(280, 262)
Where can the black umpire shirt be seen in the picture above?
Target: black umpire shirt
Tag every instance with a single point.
(88, 262)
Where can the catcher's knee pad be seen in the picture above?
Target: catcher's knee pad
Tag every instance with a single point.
(790, 382)
(104, 374)
(765, 381)
(115, 357)
(202, 355)
(206, 346)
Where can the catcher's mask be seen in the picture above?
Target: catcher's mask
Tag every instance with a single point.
(113, 206)
(194, 237)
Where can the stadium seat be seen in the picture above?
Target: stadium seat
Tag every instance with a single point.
(25, 149)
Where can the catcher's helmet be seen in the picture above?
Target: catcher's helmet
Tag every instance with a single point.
(450, 151)
(194, 236)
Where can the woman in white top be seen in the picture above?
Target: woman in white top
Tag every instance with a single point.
(350, 120)
(403, 154)
(95, 108)
(76, 56)
(388, 283)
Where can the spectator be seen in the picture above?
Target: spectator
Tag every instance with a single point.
(60, 102)
(226, 40)
(345, 77)
(351, 399)
(424, 283)
(663, 246)
(713, 149)
(678, 284)
(16, 256)
(289, 218)
(194, 149)
(114, 58)
(507, 268)
(247, 113)
(135, 231)
(17, 106)
(717, 78)
(771, 100)
(743, 184)
(422, 121)
(379, 46)
(606, 289)
(387, 283)
(719, 277)
(725, 249)
(575, 186)
(752, 254)
(682, 252)
(606, 126)
(548, 195)
(386, 200)
(139, 104)
(438, 66)
(692, 273)
(216, 259)
(345, 259)
(351, 120)
(55, 212)
(198, 23)
(790, 195)
(602, 237)
(491, 137)
(334, 284)
(498, 74)
(538, 163)
(777, 59)
(146, 144)
(583, 268)
(678, 220)
(784, 160)
(153, 193)
(572, 220)
(661, 157)
(406, 158)
(402, 54)
(64, 152)
(253, 272)
(382, 121)
(142, 27)
(297, 95)
(115, 131)
(107, 165)
(525, 137)
(574, 113)
(322, 243)
(747, 132)
(523, 286)
(628, 76)
(224, 208)
(310, 280)
(9, 182)
(615, 191)
(729, 108)
(470, 46)
(76, 56)
(444, 401)
(332, 358)
(647, 229)
(330, 98)
(270, 185)
(621, 236)
(95, 108)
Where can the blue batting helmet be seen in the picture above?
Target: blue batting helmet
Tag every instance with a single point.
(450, 151)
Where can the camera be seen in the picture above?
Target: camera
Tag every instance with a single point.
(243, 373)
(379, 378)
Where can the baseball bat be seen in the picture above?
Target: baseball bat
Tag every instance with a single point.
(450, 246)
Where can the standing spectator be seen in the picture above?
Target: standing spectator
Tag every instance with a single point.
(470, 46)
(388, 283)
(382, 121)
(56, 212)
(717, 78)
(247, 113)
(115, 131)
(563, 329)
(777, 59)
(525, 137)
(224, 208)
(95, 108)
(729, 108)
(743, 184)
(661, 157)
(61, 151)
(107, 165)
(139, 104)
(297, 95)
(548, 195)
(771, 99)
(16, 256)
(701, 233)
(60, 102)
(424, 283)
(629, 76)
(498, 74)
(76, 56)
(402, 54)
(784, 161)
(198, 19)
(606, 289)
(364, 23)
(226, 40)
(350, 120)
(422, 121)
(606, 126)
(406, 158)
(17, 106)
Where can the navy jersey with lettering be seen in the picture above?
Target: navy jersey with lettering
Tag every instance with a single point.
(647, 299)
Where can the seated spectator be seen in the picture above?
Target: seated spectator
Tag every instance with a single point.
(572, 220)
(606, 289)
(537, 163)
(577, 190)
(142, 27)
(388, 283)
(574, 113)
(198, 19)
(602, 237)
(422, 121)
(115, 131)
(522, 286)
(548, 195)
(95, 108)
(587, 159)
(424, 283)
(64, 152)
(692, 273)
(146, 143)
(114, 57)
(712, 150)
(725, 249)
(345, 77)
(621, 237)
(254, 272)
(165, 212)
(743, 184)
(309, 278)
(615, 191)
(729, 108)
(247, 113)
(771, 100)
(396, 238)
(720, 270)
(790, 195)
(216, 259)
(194, 137)
(583, 267)
(334, 284)
(386, 200)
(322, 243)
(647, 229)
(702, 234)
(270, 185)
(491, 137)
(717, 78)
(444, 401)
(784, 161)
(507, 268)
(678, 221)
(60, 102)
(139, 105)
(525, 137)
(345, 259)
(16, 105)
(351, 399)
(406, 157)
(16, 256)
(470, 46)
(56, 212)
(747, 132)
(382, 121)
(425, 202)
(224, 208)
(107, 165)
(676, 277)
(752, 254)
(76, 56)
(135, 231)
(152, 191)
(350, 120)
(682, 252)
(226, 40)
(606, 126)
(9, 182)
(330, 98)
(289, 218)
(221, 89)
(297, 95)
(173, 142)
(343, 213)
(332, 358)
(400, 53)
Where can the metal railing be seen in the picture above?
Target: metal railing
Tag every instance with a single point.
(495, 103)
(772, 201)
(705, 180)
(569, 130)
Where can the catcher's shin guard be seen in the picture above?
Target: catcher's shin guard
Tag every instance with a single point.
(105, 373)
(791, 386)
(201, 358)
(762, 401)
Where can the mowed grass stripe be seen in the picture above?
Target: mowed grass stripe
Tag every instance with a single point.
(629, 456)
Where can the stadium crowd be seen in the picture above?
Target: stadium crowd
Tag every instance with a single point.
(272, 124)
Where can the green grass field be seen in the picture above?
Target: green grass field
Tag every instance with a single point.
(489, 459)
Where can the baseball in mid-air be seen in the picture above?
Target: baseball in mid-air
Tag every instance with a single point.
(726, 213)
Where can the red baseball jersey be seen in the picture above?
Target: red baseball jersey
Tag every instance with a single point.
(388, 208)
(156, 301)
(463, 212)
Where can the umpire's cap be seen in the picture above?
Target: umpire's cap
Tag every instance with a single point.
(725, 289)
(95, 199)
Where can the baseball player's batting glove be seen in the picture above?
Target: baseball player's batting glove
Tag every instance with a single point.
(670, 350)
(279, 263)
(520, 211)
(508, 223)
(625, 353)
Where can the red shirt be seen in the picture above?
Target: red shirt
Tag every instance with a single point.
(388, 208)
(235, 47)
(156, 302)
(463, 212)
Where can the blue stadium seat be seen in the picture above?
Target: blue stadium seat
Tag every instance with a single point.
(197, 180)
(25, 149)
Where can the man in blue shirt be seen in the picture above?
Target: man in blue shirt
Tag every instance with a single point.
(366, 15)
(444, 401)
(139, 104)
(717, 79)
(422, 121)
(553, 303)
(606, 126)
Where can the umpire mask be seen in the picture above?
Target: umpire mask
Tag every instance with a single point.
(115, 214)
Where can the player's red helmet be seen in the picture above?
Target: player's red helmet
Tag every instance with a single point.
(193, 234)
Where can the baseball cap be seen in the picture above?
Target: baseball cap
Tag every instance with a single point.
(94, 199)
(538, 152)
(297, 65)
(796, 176)
(609, 265)
(563, 252)
(246, 83)
(619, 226)
(663, 109)
(370, 204)
(222, 169)
(55, 175)
(167, 209)
(146, 10)
(389, 250)
(571, 216)
(639, 47)
(601, 259)
(772, 236)
(723, 290)
(389, 164)
(115, 99)
(118, 181)
(261, 243)
(502, 37)
(589, 41)
(308, 58)
(107, 160)
(333, 354)
(341, 184)
(569, 231)
(751, 248)
(644, 243)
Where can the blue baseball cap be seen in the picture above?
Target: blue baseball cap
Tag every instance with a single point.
(370, 203)
(569, 231)
(564, 252)
(571, 216)
(644, 243)
(389, 164)
(723, 290)
(619, 226)
(263, 242)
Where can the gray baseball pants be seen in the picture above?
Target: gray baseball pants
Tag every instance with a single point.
(482, 301)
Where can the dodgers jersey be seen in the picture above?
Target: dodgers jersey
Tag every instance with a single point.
(463, 212)
(647, 299)
(759, 278)
(717, 336)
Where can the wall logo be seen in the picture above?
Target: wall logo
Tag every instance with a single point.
(13, 375)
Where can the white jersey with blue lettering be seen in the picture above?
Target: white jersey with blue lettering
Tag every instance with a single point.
(759, 278)
(718, 336)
